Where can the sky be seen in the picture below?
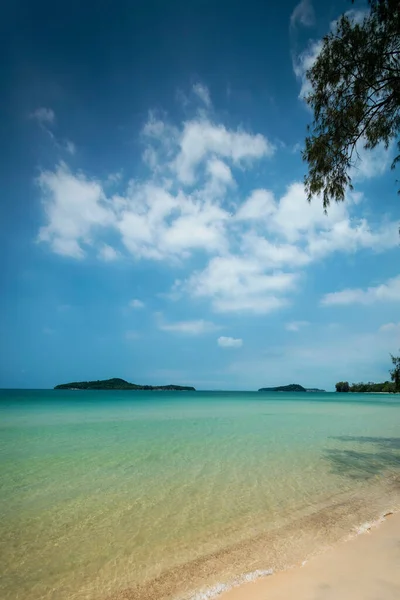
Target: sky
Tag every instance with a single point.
(153, 219)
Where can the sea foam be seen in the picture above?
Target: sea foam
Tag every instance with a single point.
(219, 588)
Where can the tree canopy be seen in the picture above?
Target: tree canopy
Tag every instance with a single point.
(355, 97)
(395, 372)
(342, 386)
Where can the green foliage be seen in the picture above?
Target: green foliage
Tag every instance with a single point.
(119, 384)
(395, 372)
(387, 386)
(342, 386)
(355, 97)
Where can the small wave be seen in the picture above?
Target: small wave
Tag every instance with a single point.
(366, 527)
(219, 588)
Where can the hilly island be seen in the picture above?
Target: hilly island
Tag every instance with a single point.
(121, 384)
(292, 387)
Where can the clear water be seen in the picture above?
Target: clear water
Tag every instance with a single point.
(154, 495)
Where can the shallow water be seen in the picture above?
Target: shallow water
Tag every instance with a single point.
(154, 495)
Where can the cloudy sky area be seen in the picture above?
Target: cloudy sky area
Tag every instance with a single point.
(154, 224)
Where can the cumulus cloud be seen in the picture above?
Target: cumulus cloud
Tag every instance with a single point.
(229, 342)
(234, 283)
(201, 138)
(249, 250)
(386, 292)
(44, 116)
(75, 207)
(260, 205)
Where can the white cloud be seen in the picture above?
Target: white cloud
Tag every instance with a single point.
(229, 342)
(156, 224)
(201, 138)
(371, 163)
(44, 115)
(233, 283)
(303, 14)
(196, 327)
(74, 207)
(136, 303)
(274, 254)
(249, 251)
(386, 292)
(260, 205)
(290, 217)
(220, 172)
(296, 325)
(303, 62)
(108, 253)
(349, 235)
(202, 93)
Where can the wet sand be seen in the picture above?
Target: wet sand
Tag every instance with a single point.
(366, 567)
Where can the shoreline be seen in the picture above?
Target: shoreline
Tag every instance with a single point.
(222, 575)
(364, 562)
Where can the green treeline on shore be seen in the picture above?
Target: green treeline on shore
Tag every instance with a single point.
(387, 386)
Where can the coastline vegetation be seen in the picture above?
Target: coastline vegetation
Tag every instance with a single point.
(385, 387)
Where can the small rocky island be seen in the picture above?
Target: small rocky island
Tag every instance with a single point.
(293, 387)
(121, 384)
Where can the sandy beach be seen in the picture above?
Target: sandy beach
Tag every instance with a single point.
(366, 567)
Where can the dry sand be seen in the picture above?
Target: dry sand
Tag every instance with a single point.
(366, 567)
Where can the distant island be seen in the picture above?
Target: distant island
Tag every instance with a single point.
(293, 387)
(121, 384)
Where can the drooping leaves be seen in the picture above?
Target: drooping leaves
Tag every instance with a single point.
(355, 98)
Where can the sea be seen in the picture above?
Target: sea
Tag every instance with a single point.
(180, 495)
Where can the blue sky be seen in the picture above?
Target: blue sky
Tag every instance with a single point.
(154, 224)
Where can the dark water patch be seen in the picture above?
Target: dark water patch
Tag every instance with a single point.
(383, 442)
(383, 456)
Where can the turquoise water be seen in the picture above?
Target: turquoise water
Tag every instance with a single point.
(155, 495)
